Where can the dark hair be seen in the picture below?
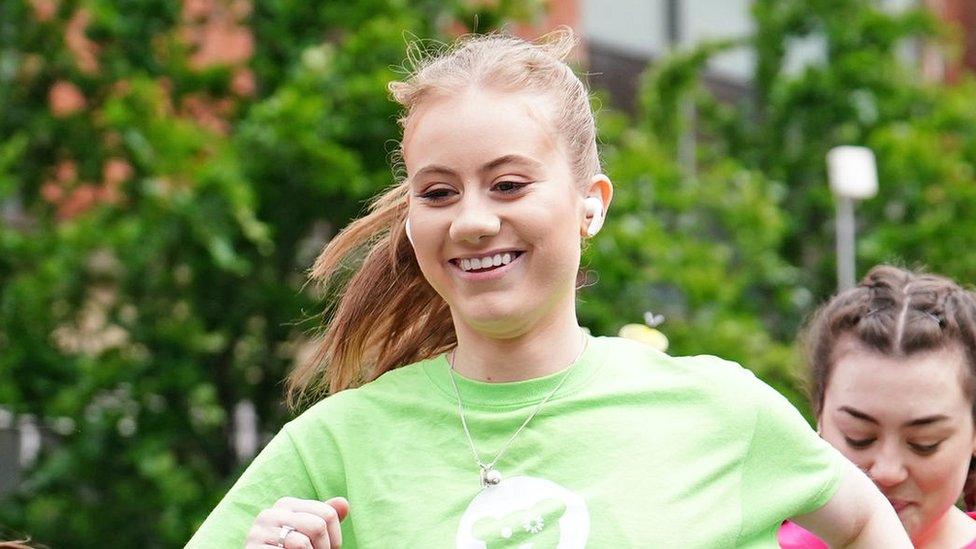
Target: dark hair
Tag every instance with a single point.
(897, 313)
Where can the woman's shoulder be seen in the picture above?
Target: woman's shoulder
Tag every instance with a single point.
(703, 371)
(717, 387)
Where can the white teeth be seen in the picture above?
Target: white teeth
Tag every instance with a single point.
(475, 263)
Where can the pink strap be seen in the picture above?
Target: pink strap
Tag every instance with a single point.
(793, 536)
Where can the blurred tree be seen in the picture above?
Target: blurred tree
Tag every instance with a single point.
(167, 173)
(702, 251)
(169, 170)
(858, 84)
(738, 255)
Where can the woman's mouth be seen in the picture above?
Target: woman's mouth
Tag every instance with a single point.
(486, 263)
(899, 504)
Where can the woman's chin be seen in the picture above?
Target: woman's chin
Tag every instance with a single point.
(494, 319)
(507, 314)
(912, 522)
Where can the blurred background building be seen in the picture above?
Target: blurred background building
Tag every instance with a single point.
(624, 36)
(961, 14)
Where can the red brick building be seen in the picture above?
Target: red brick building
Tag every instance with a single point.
(962, 15)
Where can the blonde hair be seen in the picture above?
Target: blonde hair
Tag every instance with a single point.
(387, 315)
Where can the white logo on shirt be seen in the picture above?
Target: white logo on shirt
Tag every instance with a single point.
(525, 513)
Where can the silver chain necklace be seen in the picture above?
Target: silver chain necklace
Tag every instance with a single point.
(489, 475)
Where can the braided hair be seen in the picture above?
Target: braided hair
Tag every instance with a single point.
(897, 313)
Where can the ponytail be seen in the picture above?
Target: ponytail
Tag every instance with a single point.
(387, 314)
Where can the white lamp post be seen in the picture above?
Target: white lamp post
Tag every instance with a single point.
(853, 176)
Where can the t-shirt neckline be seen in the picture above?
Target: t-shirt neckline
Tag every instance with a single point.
(515, 393)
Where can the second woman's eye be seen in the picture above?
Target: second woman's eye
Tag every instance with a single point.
(925, 449)
(859, 443)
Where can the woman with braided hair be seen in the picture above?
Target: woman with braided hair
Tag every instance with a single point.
(893, 387)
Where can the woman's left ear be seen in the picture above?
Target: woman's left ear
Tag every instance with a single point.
(599, 193)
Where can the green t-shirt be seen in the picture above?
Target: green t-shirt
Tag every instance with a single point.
(635, 449)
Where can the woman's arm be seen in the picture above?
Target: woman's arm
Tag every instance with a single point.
(856, 516)
(277, 472)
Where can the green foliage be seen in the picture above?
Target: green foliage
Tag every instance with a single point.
(737, 255)
(928, 217)
(701, 251)
(162, 198)
(137, 309)
(860, 87)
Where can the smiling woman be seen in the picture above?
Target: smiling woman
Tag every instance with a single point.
(893, 365)
(509, 190)
(466, 406)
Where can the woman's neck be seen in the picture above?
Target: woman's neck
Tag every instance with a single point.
(954, 530)
(544, 349)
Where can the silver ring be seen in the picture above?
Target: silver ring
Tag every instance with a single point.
(283, 533)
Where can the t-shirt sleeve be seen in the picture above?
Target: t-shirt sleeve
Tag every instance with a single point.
(277, 471)
(788, 469)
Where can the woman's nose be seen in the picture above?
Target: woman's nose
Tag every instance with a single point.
(474, 221)
(887, 469)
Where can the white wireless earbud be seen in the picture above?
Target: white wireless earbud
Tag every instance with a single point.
(409, 234)
(594, 210)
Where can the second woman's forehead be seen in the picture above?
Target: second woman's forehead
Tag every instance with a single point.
(916, 385)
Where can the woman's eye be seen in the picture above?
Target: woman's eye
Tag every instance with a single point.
(858, 443)
(925, 449)
(436, 194)
(510, 187)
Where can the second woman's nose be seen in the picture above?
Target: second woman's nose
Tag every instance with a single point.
(887, 469)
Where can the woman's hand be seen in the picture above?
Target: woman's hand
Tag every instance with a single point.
(299, 524)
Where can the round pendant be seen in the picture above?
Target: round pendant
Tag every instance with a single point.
(490, 477)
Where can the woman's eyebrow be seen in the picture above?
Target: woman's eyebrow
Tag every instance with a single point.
(438, 169)
(917, 422)
(927, 420)
(858, 414)
(511, 159)
(435, 169)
